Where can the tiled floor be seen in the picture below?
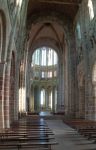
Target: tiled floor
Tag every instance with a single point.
(68, 138)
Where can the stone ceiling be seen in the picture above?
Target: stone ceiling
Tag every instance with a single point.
(46, 32)
(68, 7)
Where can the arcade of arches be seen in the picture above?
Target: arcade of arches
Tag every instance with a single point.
(47, 58)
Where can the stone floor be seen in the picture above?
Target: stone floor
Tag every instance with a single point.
(68, 138)
(45, 113)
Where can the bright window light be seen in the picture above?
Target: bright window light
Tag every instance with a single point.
(22, 102)
(91, 11)
(19, 3)
(44, 61)
(42, 97)
(44, 57)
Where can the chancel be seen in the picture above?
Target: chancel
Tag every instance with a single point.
(47, 74)
(44, 68)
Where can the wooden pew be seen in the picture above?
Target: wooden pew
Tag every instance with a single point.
(80, 123)
(27, 134)
(86, 128)
(31, 144)
(25, 139)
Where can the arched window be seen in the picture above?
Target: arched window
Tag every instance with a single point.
(44, 56)
(45, 76)
(42, 102)
(44, 63)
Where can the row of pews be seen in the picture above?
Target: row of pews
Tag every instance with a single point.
(87, 128)
(27, 133)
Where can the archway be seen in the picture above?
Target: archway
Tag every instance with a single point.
(44, 77)
(53, 32)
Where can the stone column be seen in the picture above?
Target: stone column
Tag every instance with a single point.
(37, 99)
(53, 99)
(6, 95)
(16, 90)
(89, 102)
(56, 99)
(82, 102)
(31, 101)
(22, 92)
(59, 97)
(2, 79)
(60, 92)
(39, 91)
(46, 99)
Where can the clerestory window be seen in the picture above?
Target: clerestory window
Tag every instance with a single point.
(44, 57)
(44, 63)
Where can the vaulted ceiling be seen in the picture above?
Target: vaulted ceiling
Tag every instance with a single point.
(49, 31)
(67, 7)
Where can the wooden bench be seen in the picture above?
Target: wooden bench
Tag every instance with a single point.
(31, 144)
(22, 139)
(27, 133)
(31, 130)
(84, 127)
(80, 123)
(85, 130)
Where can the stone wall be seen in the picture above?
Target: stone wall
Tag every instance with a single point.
(85, 33)
(13, 35)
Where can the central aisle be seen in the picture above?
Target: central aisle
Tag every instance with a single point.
(68, 138)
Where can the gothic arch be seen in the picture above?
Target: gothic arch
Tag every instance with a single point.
(21, 87)
(51, 16)
(47, 43)
(53, 44)
(64, 51)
